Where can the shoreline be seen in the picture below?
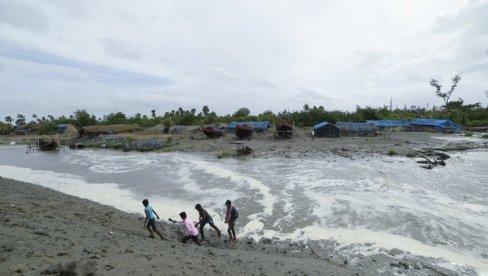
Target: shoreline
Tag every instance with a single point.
(407, 144)
(47, 232)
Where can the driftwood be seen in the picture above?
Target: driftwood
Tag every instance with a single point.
(438, 159)
(243, 150)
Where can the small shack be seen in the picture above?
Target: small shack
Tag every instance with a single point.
(391, 125)
(66, 129)
(326, 130)
(110, 129)
(434, 125)
(356, 129)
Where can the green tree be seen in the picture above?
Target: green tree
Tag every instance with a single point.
(242, 112)
(9, 120)
(20, 120)
(153, 113)
(447, 95)
(116, 118)
(83, 118)
(205, 110)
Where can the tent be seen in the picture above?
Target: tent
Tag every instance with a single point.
(356, 129)
(446, 126)
(390, 125)
(326, 130)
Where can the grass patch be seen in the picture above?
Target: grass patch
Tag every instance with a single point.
(391, 153)
(468, 134)
(485, 136)
(412, 154)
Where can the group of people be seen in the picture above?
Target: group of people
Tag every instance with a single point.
(191, 229)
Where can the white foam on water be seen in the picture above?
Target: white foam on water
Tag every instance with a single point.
(105, 193)
(380, 240)
(101, 162)
(268, 199)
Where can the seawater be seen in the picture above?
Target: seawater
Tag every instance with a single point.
(367, 205)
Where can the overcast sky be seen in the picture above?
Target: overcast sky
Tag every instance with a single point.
(59, 56)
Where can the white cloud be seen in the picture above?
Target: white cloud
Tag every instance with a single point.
(130, 56)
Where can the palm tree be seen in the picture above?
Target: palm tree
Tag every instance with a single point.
(9, 120)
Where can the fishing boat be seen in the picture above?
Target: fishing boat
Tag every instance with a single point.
(243, 131)
(212, 132)
(284, 127)
(47, 145)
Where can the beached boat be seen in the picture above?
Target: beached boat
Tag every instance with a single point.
(243, 131)
(212, 132)
(47, 145)
(284, 127)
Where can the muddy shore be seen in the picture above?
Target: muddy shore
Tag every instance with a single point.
(264, 145)
(50, 233)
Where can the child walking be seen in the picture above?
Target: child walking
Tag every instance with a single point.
(204, 219)
(230, 218)
(151, 219)
(191, 230)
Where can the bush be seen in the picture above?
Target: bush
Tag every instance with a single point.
(485, 136)
(411, 154)
(391, 152)
(468, 134)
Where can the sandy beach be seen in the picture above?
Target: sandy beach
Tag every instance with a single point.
(45, 232)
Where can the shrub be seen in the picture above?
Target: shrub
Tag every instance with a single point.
(485, 136)
(468, 134)
(391, 152)
(412, 154)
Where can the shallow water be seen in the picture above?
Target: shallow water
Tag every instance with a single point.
(366, 205)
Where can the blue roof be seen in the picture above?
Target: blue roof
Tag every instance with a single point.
(389, 123)
(438, 124)
(63, 125)
(255, 125)
(319, 125)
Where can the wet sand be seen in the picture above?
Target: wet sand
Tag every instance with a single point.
(50, 233)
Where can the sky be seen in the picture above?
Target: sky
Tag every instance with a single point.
(60, 56)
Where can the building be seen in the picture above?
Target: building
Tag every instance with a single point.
(326, 130)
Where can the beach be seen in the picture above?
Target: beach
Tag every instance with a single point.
(364, 218)
(50, 233)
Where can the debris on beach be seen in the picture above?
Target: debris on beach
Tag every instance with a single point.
(438, 159)
(243, 150)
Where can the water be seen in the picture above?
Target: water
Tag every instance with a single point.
(366, 205)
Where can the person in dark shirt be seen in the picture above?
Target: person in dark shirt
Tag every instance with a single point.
(204, 219)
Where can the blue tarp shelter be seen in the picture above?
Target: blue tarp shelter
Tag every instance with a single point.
(326, 130)
(356, 129)
(390, 124)
(446, 126)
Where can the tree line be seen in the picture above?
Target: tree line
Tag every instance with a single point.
(455, 110)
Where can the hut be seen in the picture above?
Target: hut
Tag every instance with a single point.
(326, 130)
(66, 129)
(391, 125)
(434, 125)
(356, 129)
(110, 129)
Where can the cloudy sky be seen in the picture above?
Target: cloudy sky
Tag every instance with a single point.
(59, 56)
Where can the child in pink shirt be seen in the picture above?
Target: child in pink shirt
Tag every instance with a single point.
(191, 230)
